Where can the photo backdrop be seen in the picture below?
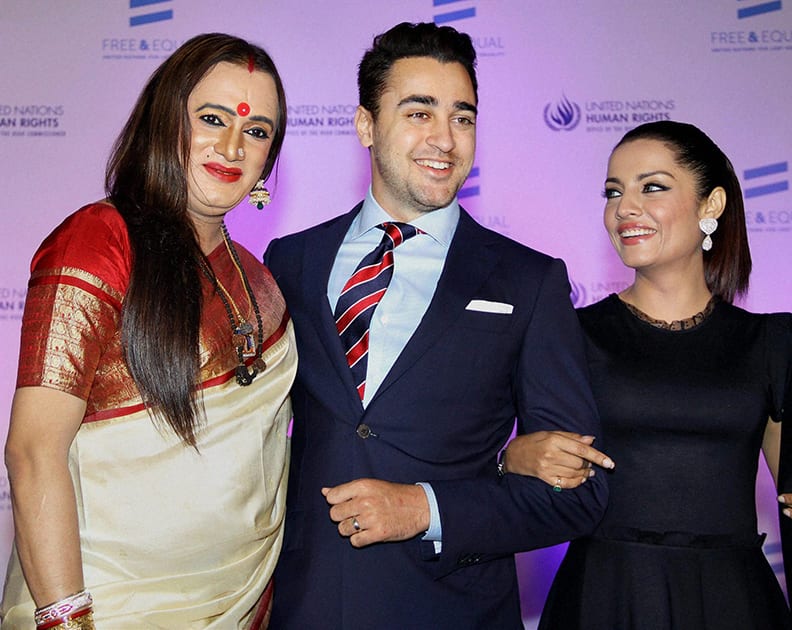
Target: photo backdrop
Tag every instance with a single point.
(559, 83)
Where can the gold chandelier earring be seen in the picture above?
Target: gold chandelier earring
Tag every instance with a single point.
(259, 196)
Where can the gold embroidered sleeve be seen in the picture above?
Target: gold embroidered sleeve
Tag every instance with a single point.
(71, 321)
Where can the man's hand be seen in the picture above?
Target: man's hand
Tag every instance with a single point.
(556, 457)
(369, 510)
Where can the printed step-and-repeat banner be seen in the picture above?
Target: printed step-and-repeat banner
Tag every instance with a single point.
(559, 84)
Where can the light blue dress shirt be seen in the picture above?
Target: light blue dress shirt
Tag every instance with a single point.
(417, 265)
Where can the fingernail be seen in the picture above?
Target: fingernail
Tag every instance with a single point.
(592, 472)
(608, 463)
(787, 512)
(781, 499)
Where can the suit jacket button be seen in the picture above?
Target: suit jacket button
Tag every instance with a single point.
(363, 431)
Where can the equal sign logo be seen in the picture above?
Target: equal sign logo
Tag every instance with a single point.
(470, 189)
(766, 171)
(454, 14)
(758, 9)
(148, 18)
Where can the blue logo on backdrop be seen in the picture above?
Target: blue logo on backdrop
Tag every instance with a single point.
(314, 119)
(152, 16)
(607, 115)
(763, 172)
(452, 11)
(767, 34)
(563, 115)
(470, 189)
(142, 14)
(455, 13)
(31, 120)
(758, 9)
(763, 184)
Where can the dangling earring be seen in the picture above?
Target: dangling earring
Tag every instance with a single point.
(259, 196)
(708, 226)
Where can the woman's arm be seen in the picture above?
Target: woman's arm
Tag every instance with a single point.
(771, 447)
(43, 424)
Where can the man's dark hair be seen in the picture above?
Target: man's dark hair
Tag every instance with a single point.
(443, 43)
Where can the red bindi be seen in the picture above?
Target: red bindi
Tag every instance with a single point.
(243, 109)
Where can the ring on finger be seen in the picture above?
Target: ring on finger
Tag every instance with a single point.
(557, 486)
(355, 524)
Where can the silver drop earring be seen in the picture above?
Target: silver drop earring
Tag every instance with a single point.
(708, 226)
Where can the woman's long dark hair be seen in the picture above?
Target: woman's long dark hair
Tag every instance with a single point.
(727, 266)
(146, 180)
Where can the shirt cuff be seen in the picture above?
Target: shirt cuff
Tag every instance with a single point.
(435, 531)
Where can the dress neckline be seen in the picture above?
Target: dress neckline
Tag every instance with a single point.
(678, 324)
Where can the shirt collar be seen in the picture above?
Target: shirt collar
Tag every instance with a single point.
(440, 224)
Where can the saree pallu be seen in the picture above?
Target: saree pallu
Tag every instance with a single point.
(171, 537)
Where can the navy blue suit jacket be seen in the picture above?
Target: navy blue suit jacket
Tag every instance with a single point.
(441, 415)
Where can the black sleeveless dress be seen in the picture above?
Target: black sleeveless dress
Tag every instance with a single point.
(683, 415)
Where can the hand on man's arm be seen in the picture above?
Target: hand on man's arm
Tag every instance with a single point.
(559, 458)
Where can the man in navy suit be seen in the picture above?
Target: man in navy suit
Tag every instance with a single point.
(397, 516)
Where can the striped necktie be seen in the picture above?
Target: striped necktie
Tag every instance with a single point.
(361, 294)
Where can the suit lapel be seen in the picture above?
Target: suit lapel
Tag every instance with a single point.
(321, 247)
(468, 265)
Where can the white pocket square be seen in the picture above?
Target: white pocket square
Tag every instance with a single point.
(485, 306)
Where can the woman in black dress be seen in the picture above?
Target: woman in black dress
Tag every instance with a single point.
(689, 388)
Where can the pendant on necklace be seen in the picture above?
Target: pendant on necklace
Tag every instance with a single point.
(248, 347)
(244, 328)
(243, 376)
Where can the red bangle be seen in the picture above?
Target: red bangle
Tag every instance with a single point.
(65, 619)
(67, 608)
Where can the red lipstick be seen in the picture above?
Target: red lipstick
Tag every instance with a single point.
(223, 173)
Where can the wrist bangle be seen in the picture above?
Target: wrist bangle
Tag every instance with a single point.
(80, 620)
(501, 467)
(75, 611)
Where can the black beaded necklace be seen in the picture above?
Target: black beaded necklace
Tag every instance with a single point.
(246, 346)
